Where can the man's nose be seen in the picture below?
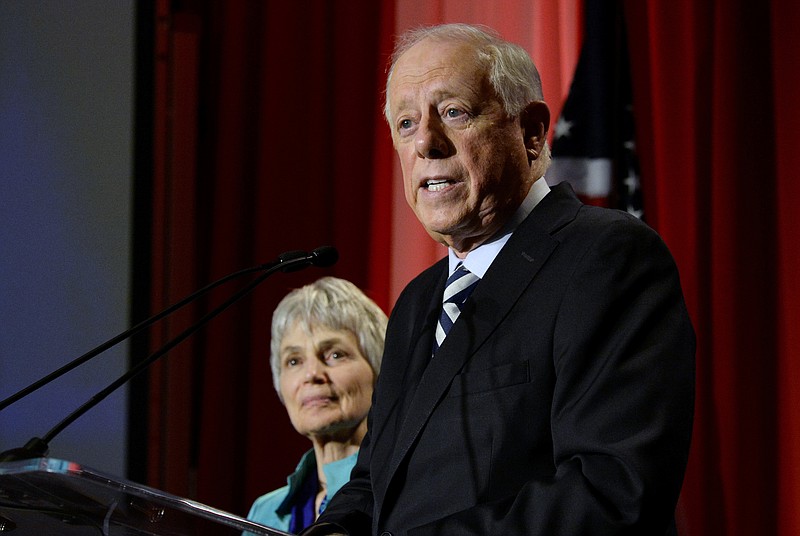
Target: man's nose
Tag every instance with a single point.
(431, 140)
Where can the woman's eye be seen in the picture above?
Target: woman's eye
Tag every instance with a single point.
(454, 112)
(336, 356)
(405, 124)
(292, 362)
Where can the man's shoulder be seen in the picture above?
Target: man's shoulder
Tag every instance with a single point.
(591, 215)
(562, 204)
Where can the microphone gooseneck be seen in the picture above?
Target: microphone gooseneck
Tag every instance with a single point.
(290, 261)
(125, 335)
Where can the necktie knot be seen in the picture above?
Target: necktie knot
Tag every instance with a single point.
(459, 286)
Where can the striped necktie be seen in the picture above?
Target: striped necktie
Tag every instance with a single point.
(459, 286)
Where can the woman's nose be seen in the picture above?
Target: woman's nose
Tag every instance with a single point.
(314, 372)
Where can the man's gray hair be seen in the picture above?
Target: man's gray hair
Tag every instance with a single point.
(512, 73)
(335, 304)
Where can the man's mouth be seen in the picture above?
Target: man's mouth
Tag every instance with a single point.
(436, 185)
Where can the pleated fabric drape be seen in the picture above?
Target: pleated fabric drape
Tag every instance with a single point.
(269, 137)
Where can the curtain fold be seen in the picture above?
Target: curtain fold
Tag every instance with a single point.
(269, 137)
(285, 101)
(785, 20)
(706, 75)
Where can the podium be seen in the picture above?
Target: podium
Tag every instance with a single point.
(46, 496)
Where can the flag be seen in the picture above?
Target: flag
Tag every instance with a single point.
(593, 139)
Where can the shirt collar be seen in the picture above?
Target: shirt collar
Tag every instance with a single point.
(337, 473)
(479, 259)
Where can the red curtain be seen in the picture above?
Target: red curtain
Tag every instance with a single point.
(712, 93)
(785, 78)
(269, 138)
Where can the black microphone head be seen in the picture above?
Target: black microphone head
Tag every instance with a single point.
(292, 261)
(293, 255)
(324, 256)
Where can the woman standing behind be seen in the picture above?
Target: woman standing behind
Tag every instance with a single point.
(325, 354)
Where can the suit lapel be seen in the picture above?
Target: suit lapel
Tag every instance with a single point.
(400, 376)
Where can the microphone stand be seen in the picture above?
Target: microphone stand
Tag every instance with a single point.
(124, 335)
(290, 261)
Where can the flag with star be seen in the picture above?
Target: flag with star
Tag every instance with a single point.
(593, 139)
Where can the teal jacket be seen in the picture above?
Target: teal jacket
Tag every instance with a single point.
(274, 509)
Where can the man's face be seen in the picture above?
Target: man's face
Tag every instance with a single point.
(465, 169)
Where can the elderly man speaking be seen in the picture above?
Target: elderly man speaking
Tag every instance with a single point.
(540, 379)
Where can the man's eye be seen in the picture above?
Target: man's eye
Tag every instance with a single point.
(404, 124)
(454, 112)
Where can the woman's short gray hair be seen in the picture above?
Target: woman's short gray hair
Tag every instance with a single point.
(333, 303)
(512, 72)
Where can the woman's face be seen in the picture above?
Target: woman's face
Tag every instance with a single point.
(326, 383)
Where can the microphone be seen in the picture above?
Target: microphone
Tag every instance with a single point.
(323, 257)
(290, 261)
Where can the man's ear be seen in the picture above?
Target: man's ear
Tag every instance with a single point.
(535, 122)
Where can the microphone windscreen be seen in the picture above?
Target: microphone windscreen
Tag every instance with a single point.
(324, 256)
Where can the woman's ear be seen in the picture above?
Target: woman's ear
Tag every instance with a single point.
(535, 122)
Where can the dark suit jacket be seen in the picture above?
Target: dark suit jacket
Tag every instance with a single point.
(560, 403)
